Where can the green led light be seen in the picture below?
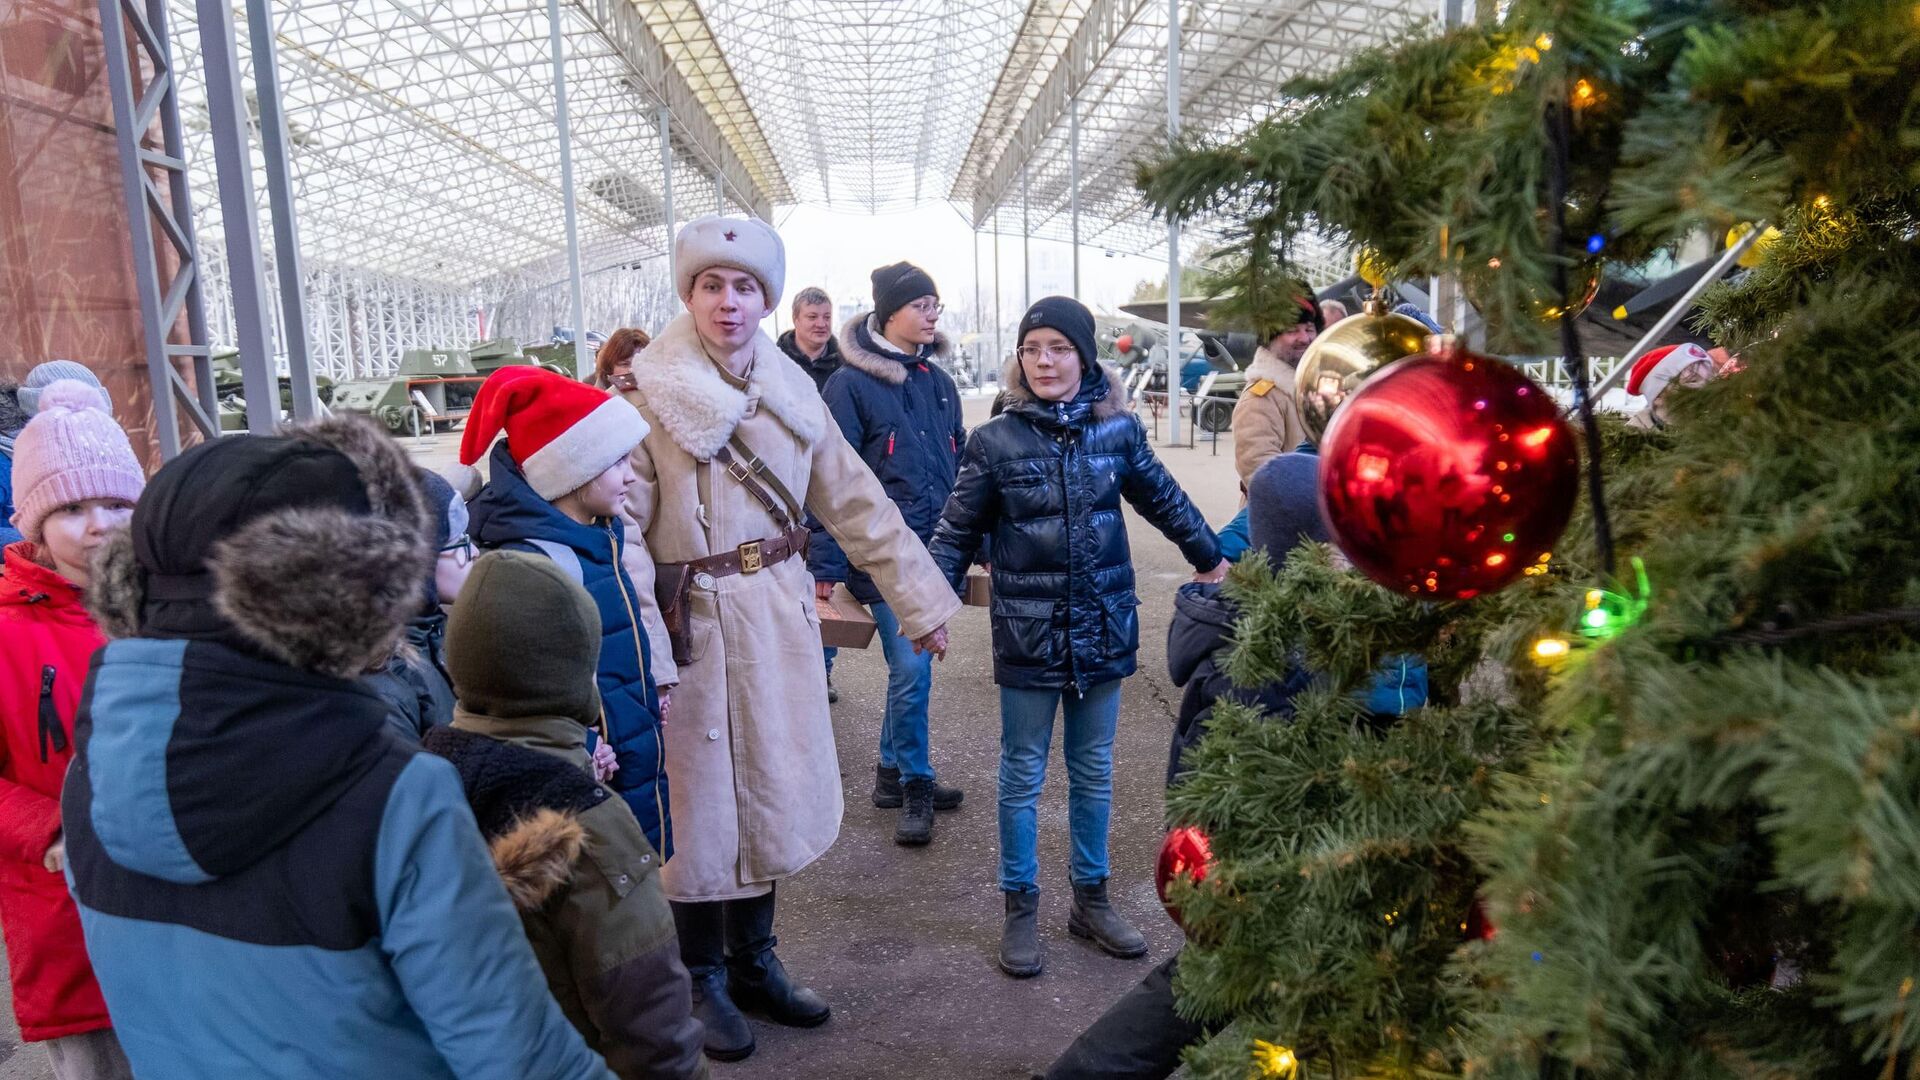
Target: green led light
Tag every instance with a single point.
(1508, 538)
(1597, 618)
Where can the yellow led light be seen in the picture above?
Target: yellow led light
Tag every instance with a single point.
(1543, 42)
(1275, 1062)
(1552, 648)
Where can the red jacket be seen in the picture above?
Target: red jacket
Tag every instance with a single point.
(50, 640)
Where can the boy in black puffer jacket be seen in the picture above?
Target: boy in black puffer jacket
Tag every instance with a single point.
(1045, 480)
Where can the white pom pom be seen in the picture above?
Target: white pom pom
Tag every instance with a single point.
(73, 395)
(466, 480)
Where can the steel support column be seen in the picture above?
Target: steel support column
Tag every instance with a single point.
(289, 275)
(233, 162)
(1026, 243)
(1173, 230)
(979, 374)
(666, 188)
(1073, 184)
(564, 131)
(999, 354)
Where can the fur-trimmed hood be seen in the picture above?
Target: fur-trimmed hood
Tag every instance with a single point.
(308, 549)
(536, 855)
(12, 416)
(698, 409)
(1013, 384)
(863, 349)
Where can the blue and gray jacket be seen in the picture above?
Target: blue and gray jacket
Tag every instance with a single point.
(270, 884)
(509, 514)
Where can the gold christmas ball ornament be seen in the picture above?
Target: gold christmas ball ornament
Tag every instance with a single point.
(1583, 284)
(1345, 354)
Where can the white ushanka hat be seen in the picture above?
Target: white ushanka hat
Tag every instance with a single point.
(742, 244)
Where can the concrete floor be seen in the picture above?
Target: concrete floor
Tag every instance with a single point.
(903, 941)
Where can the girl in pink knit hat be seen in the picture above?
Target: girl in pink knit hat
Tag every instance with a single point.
(75, 482)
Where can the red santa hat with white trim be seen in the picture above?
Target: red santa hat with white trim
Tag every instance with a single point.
(1652, 372)
(560, 432)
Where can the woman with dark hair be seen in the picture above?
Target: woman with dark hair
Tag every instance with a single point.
(613, 364)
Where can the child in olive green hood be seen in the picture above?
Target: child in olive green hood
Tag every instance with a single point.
(522, 647)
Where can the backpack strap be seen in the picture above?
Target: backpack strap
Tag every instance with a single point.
(563, 557)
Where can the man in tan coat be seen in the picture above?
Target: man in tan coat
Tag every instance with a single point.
(749, 743)
(1266, 419)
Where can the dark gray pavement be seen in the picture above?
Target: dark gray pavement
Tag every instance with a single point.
(902, 941)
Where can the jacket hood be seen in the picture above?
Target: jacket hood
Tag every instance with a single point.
(509, 510)
(1099, 398)
(202, 760)
(698, 409)
(1202, 624)
(526, 802)
(28, 585)
(308, 548)
(828, 359)
(863, 349)
(12, 416)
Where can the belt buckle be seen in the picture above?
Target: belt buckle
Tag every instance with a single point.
(751, 561)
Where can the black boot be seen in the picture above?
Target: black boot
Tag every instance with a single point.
(833, 696)
(1020, 954)
(916, 815)
(760, 981)
(703, 949)
(1093, 918)
(888, 796)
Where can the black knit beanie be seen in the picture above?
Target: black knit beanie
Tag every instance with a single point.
(1304, 309)
(524, 640)
(1070, 317)
(896, 286)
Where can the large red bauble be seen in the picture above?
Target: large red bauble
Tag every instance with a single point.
(1186, 853)
(1447, 475)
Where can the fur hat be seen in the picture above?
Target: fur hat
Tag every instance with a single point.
(53, 371)
(1652, 372)
(307, 548)
(13, 415)
(71, 451)
(743, 244)
(560, 432)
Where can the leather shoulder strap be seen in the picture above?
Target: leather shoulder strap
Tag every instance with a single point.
(793, 513)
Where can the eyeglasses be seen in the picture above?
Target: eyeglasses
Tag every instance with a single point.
(461, 549)
(927, 309)
(1059, 354)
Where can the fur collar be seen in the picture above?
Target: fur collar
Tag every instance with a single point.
(699, 410)
(860, 349)
(1014, 385)
(1265, 365)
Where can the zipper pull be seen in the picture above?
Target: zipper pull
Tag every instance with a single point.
(51, 730)
(890, 443)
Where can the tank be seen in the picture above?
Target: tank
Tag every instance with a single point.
(229, 389)
(432, 391)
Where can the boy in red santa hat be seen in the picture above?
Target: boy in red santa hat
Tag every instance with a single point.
(1687, 365)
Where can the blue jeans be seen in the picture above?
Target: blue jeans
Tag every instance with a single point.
(903, 732)
(828, 653)
(1026, 733)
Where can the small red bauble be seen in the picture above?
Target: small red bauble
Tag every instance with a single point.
(1185, 853)
(1447, 475)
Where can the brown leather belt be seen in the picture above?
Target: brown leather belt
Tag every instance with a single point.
(752, 556)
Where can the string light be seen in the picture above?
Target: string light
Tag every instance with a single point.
(1550, 649)
(1275, 1062)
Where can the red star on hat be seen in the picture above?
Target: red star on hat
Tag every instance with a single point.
(729, 235)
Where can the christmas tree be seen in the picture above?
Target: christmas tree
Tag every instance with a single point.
(1696, 842)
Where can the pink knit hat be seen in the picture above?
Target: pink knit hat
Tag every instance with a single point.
(69, 452)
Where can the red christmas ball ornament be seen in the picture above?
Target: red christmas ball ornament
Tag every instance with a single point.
(1185, 853)
(1123, 343)
(1448, 475)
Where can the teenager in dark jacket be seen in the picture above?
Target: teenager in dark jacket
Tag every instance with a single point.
(78, 482)
(1045, 480)
(901, 411)
(270, 883)
(580, 871)
(415, 682)
(557, 488)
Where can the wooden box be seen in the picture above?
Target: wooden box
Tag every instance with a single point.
(844, 622)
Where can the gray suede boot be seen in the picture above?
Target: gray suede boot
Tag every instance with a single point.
(1093, 918)
(1020, 954)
